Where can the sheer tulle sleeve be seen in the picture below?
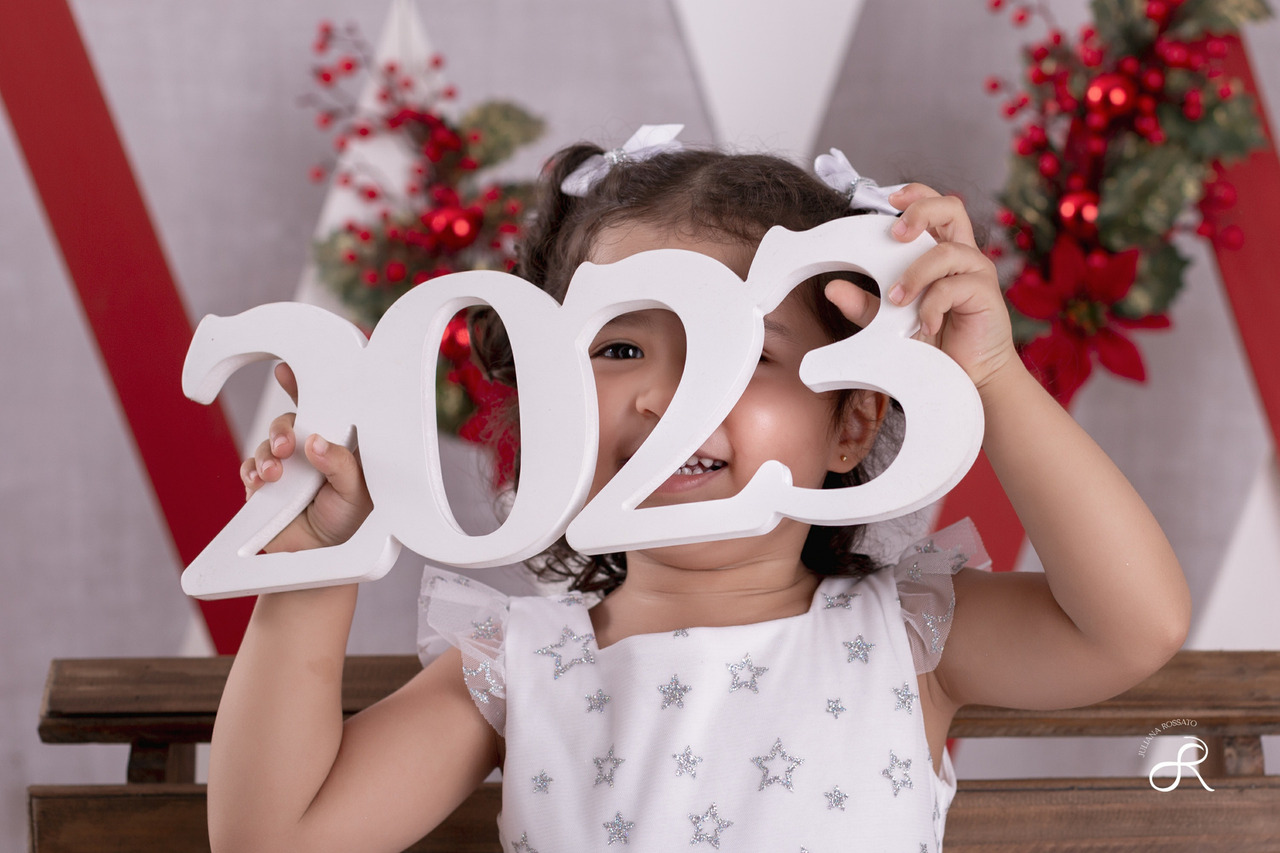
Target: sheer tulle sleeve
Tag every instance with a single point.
(457, 611)
(923, 576)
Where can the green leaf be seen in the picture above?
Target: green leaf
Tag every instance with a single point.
(1158, 281)
(1227, 131)
(1193, 19)
(1144, 189)
(503, 127)
(1123, 25)
(1027, 198)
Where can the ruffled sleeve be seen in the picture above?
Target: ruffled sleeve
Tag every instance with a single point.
(923, 575)
(456, 611)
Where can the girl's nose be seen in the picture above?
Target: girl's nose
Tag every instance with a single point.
(654, 397)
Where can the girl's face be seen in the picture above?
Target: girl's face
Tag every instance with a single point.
(638, 359)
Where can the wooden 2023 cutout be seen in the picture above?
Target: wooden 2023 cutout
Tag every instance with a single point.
(383, 388)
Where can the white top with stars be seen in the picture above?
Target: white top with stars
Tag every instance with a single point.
(797, 732)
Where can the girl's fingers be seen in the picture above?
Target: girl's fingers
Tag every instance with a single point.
(268, 466)
(953, 294)
(280, 436)
(340, 468)
(284, 375)
(939, 263)
(249, 476)
(944, 217)
(857, 305)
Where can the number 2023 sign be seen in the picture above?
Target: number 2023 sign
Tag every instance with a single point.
(383, 388)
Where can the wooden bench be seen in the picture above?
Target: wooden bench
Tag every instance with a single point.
(164, 706)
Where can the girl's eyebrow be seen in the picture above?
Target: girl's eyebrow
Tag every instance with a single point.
(773, 327)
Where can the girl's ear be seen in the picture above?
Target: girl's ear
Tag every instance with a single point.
(859, 425)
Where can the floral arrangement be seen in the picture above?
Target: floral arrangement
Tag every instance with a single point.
(443, 216)
(1120, 146)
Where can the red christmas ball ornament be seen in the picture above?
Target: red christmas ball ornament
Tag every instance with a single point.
(1005, 217)
(1225, 91)
(1095, 145)
(1079, 213)
(1206, 229)
(1153, 79)
(1220, 195)
(1216, 47)
(1020, 16)
(1193, 105)
(1110, 94)
(369, 277)
(347, 64)
(395, 271)
(1158, 11)
(1023, 147)
(1129, 65)
(1146, 105)
(324, 76)
(1049, 164)
(1231, 237)
(1022, 240)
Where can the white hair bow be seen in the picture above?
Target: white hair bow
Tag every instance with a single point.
(863, 193)
(648, 141)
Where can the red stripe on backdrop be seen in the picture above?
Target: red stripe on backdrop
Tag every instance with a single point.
(114, 258)
(1249, 273)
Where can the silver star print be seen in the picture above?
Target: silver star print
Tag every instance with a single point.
(619, 829)
(523, 846)
(687, 762)
(754, 671)
(491, 684)
(461, 581)
(778, 752)
(840, 599)
(680, 632)
(895, 764)
(835, 798)
(597, 701)
(699, 823)
(571, 599)
(603, 775)
(567, 636)
(673, 692)
(541, 783)
(485, 630)
(905, 697)
(835, 708)
(914, 571)
(932, 622)
(858, 649)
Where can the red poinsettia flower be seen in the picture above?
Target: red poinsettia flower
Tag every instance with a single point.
(1078, 299)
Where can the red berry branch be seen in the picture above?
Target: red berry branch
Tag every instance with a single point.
(441, 215)
(1121, 137)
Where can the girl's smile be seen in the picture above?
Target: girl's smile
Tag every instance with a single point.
(638, 360)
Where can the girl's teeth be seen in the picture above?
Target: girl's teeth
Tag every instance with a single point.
(699, 465)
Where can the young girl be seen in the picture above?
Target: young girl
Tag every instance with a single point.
(775, 693)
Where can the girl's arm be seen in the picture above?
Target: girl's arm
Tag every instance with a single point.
(285, 772)
(1112, 605)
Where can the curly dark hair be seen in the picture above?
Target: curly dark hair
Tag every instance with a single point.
(737, 197)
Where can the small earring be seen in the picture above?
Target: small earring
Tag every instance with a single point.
(844, 458)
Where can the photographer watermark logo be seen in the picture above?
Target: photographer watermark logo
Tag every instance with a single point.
(1181, 762)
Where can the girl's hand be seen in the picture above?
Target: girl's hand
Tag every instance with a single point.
(962, 311)
(343, 502)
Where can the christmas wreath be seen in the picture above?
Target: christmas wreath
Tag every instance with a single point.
(443, 216)
(1121, 143)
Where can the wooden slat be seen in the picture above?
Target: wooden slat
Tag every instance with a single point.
(166, 700)
(1101, 815)
(1226, 693)
(175, 699)
(173, 819)
(1108, 815)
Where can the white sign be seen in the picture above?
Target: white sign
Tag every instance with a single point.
(383, 389)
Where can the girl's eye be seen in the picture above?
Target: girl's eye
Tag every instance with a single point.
(619, 350)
